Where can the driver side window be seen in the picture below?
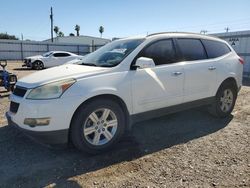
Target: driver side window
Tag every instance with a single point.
(162, 52)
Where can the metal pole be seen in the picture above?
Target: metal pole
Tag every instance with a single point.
(51, 23)
(21, 50)
(78, 49)
(93, 47)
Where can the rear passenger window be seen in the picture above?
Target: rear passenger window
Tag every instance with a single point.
(162, 52)
(215, 49)
(192, 49)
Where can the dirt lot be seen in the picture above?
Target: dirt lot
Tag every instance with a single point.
(186, 149)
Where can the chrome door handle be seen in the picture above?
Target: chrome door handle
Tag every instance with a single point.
(211, 68)
(177, 73)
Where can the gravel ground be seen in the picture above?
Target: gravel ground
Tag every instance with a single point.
(185, 149)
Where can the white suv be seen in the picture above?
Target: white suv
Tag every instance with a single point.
(93, 103)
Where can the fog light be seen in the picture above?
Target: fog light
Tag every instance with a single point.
(36, 121)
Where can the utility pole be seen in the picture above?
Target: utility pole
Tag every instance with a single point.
(21, 36)
(51, 23)
(227, 29)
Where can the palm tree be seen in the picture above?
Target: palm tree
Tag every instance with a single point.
(77, 28)
(60, 34)
(101, 30)
(56, 30)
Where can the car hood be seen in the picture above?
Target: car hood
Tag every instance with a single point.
(34, 57)
(74, 61)
(59, 73)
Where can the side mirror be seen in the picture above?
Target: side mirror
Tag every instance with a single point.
(144, 62)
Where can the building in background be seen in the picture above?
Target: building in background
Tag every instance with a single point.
(93, 42)
(240, 41)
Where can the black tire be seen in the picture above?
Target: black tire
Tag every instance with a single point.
(80, 117)
(11, 88)
(38, 65)
(216, 108)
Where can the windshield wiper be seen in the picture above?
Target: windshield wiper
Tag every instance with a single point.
(89, 64)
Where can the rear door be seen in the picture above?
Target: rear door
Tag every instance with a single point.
(200, 72)
(160, 86)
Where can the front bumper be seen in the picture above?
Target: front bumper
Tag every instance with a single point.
(57, 137)
(27, 63)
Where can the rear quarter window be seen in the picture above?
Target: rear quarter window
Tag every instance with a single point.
(61, 54)
(215, 48)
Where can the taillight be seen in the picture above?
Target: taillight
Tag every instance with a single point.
(241, 60)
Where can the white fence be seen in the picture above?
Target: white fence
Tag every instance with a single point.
(18, 50)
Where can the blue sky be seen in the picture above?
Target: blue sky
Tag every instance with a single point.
(122, 18)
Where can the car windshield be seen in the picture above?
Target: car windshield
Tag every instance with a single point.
(47, 54)
(111, 54)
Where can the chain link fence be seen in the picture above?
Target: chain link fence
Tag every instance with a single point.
(18, 50)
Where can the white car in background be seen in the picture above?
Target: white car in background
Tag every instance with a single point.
(50, 59)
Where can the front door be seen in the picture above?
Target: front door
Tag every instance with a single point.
(160, 86)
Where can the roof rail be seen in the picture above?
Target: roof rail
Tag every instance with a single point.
(173, 32)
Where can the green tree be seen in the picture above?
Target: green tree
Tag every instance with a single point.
(60, 34)
(71, 34)
(77, 28)
(56, 30)
(7, 36)
(101, 30)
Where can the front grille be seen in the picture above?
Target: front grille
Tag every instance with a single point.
(19, 91)
(14, 107)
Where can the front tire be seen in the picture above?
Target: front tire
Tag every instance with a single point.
(224, 101)
(97, 126)
(38, 65)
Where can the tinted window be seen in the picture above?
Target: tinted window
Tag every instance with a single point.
(162, 52)
(215, 48)
(192, 49)
(61, 55)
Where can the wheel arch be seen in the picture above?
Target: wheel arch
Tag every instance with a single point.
(113, 97)
(37, 60)
(231, 80)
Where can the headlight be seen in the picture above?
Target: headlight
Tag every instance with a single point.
(51, 91)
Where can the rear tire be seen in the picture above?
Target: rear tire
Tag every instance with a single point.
(38, 65)
(97, 126)
(224, 100)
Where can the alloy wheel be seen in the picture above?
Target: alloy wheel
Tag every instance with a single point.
(100, 126)
(226, 100)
